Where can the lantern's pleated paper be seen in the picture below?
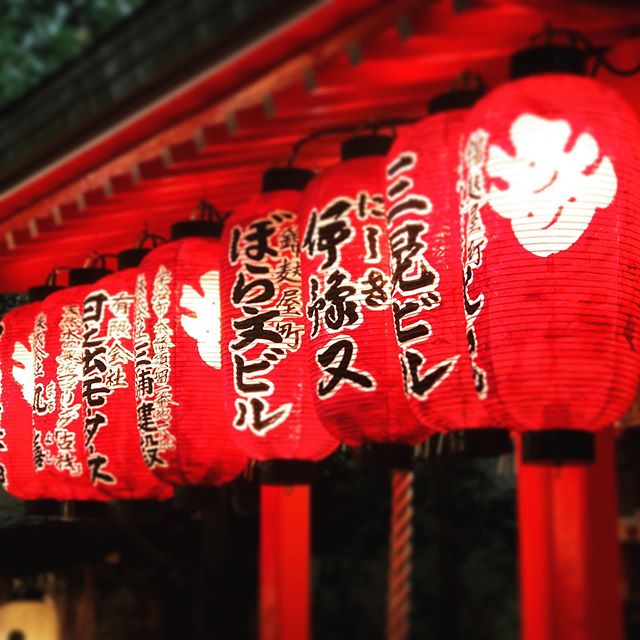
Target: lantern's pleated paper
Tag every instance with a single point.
(61, 462)
(17, 471)
(425, 245)
(353, 365)
(184, 430)
(263, 361)
(111, 437)
(550, 201)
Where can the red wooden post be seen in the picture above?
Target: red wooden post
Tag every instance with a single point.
(285, 552)
(569, 554)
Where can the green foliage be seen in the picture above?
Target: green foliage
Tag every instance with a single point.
(10, 300)
(464, 570)
(37, 36)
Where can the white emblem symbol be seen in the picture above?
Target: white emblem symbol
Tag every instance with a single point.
(23, 370)
(203, 321)
(551, 189)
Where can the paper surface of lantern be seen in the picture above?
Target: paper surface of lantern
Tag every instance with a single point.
(549, 199)
(184, 434)
(111, 438)
(18, 363)
(424, 235)
(352, 360)
(264, 360)
(60, 457)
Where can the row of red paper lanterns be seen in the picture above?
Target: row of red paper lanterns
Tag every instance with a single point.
(480, 270)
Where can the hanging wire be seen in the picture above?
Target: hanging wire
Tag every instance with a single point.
(576, 39)
(373, 127)
(204, 210)
(153, 239)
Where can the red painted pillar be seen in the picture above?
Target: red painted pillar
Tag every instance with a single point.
(570, 579)
(285, 553)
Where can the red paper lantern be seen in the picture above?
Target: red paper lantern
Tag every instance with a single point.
(111, 436)
(263, 334)
(18, 364)
(353, 361)
(549, 200)
(58, 426)
(424, 235)
(184, 433)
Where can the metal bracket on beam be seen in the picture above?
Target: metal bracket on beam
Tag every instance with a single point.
(166, 157)
(56, 214)
(403, 25)
(10, 240)
(136, 174)
(310, 80)
(199, 139)
(354, 52)
(269, 105)
(32, 227)
(231, 122)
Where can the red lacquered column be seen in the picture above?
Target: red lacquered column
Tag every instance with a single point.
(285, 553)
(570, 586)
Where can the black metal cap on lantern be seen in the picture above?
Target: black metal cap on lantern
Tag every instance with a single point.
(484, 442)
(87, 275)
(285, 179)
(365, 146)
(196, 229)
(41, 292)
(283, 472)
(386, 457)
(548, 58)
(558, 446)
(209, 225)
(131, 258)
(455, 99)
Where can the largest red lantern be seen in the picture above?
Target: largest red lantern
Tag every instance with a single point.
(353, 363)
(550, 195)
(184, 433)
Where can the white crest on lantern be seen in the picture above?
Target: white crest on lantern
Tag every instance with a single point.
(552, 190)
(23, 370)
(203, 321)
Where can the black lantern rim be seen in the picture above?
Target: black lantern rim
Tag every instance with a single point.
(87, 275)
(131, 258)
(285, 179)
(548, 58)
(456, 99)
(365, 146)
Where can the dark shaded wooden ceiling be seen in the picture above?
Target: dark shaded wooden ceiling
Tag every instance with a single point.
(339, 66)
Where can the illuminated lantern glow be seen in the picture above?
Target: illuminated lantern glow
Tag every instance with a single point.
(59, 453)
(111, 436)
(17, 472)
(424, 223)
(271, 412)
(184, 435)
(353, 364)
(549, 198)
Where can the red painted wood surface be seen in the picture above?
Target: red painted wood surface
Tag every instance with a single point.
(285, 557)
(570, 581)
